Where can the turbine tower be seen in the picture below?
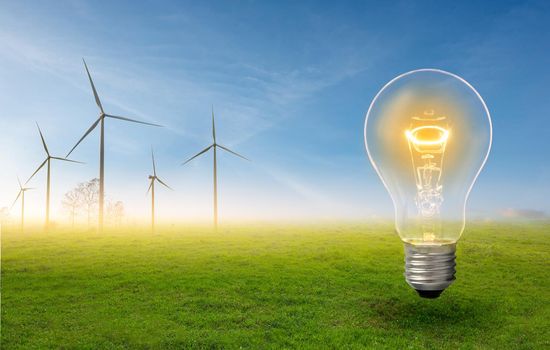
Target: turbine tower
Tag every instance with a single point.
(101, 122)
(151, 188)
(214, 146)
(48, 160)
(21, 194)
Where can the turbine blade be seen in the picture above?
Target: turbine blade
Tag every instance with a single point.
(43, 142)
(16, 198)
(85, 134)
(230, 151)
(154, 167)
(198, 154)
(68, 160)
(40, 167)
(19, 181)
(213, 126)
(150, 185)
(131, 120)
(97, 101)
(165, 185)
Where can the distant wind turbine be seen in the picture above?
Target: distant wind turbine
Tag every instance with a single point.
(151, 188)
(21, 194)
(214, 146)
(48, 159)
(101, 122)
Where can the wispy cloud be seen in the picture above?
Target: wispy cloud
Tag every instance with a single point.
(260, 98)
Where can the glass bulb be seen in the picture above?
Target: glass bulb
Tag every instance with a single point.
(428, 134)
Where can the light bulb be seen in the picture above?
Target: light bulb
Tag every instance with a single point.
(428, 134)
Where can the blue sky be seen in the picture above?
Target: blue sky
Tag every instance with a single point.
(290, 83)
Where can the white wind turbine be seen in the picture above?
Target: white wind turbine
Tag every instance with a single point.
(21, 194)
(151, 188)
(214, 146)
(101, 121)
(47, 161)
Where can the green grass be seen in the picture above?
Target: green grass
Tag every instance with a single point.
(335, 286)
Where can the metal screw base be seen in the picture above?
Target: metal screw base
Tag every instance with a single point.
(429, 269)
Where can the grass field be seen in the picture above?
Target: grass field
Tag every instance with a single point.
(335, 286)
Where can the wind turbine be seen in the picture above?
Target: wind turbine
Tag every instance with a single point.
(151, 188)
(214, 146)
(48, 160)
(21, 194)
(101, 122)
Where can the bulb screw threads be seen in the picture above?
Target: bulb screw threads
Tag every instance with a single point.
(429, 269)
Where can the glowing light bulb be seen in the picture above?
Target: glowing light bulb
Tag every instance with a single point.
(428, 134)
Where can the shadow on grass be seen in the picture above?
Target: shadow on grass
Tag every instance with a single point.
(421, 315)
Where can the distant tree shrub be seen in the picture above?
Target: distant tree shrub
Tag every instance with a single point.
(72, 203)
(115, 212)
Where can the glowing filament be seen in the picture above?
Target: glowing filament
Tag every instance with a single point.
(424, 135)
(427, 146)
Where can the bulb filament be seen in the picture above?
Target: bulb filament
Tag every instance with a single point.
(427, 140)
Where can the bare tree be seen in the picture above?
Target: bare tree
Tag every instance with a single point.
(88, 192)
(72, 202)
(115, 212)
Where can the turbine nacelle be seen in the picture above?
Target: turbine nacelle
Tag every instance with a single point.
(102, 114)
(22, 191)
(154, 177)
(49, 157)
